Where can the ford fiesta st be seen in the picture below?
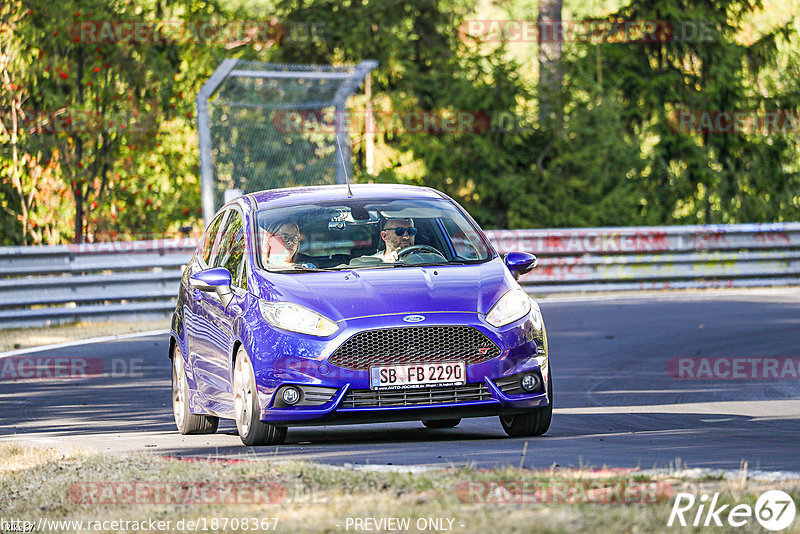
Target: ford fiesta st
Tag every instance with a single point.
(316, 305)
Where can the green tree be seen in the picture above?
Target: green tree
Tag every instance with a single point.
(700, 176)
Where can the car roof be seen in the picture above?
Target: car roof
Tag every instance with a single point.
(297, 195)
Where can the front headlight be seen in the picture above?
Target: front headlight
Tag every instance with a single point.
(511, 307)
(296, 318)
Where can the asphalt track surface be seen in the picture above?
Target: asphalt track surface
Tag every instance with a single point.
(616, 403)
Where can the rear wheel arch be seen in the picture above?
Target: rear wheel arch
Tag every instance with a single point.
(186, 421)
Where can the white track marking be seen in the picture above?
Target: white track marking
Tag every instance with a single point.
(84, 342)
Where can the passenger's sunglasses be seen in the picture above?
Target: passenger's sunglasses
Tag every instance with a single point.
(400, 230)
(289, 239)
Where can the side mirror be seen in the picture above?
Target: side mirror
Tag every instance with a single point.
(520, 263)
(217, 279)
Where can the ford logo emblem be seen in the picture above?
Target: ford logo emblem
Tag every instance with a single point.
(413, 318)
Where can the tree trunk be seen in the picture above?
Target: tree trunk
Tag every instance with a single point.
(78, 192)
(550, 76)
(81, 193)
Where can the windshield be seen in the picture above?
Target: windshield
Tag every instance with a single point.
(366, 234)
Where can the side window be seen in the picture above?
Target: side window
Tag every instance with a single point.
(216, 250)
(459, 237)
(210, 237)
(232, 250)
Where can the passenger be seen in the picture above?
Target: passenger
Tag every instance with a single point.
(282, 240)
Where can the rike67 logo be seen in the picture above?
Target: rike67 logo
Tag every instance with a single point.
(774, 510)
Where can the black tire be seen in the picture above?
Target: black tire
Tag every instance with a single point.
(186, 421)
(246, 407)
(441, 423)
(533, 423)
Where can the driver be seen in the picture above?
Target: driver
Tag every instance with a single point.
(397, 234)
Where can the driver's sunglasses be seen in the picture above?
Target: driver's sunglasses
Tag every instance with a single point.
(289, 239)
(400, 230)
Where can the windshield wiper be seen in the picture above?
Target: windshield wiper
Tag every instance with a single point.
(314, 269)
(429, 264)
(303, 269)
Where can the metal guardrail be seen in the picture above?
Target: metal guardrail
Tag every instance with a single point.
(44, 285)
(116, 280)
(669, 257)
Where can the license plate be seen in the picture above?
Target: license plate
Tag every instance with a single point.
(417, 375)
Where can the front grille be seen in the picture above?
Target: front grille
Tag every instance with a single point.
(311, 396)
(510, 385)
(416, 344)
(358, 398)
(316, 396)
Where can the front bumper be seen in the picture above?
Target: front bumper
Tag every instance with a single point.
(334, 411)
(519, 354)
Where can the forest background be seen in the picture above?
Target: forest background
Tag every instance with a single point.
(646, 112)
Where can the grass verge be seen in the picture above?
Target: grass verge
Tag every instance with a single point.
(21, 338)
(137, 489)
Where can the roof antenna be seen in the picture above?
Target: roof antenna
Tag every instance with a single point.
(344, 167)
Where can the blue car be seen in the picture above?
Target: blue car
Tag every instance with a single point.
(324, 305)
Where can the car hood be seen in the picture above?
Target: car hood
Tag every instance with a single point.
(357, 293)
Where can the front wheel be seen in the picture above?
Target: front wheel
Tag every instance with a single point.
(533, 423)
(247, 409)
(186, 421)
